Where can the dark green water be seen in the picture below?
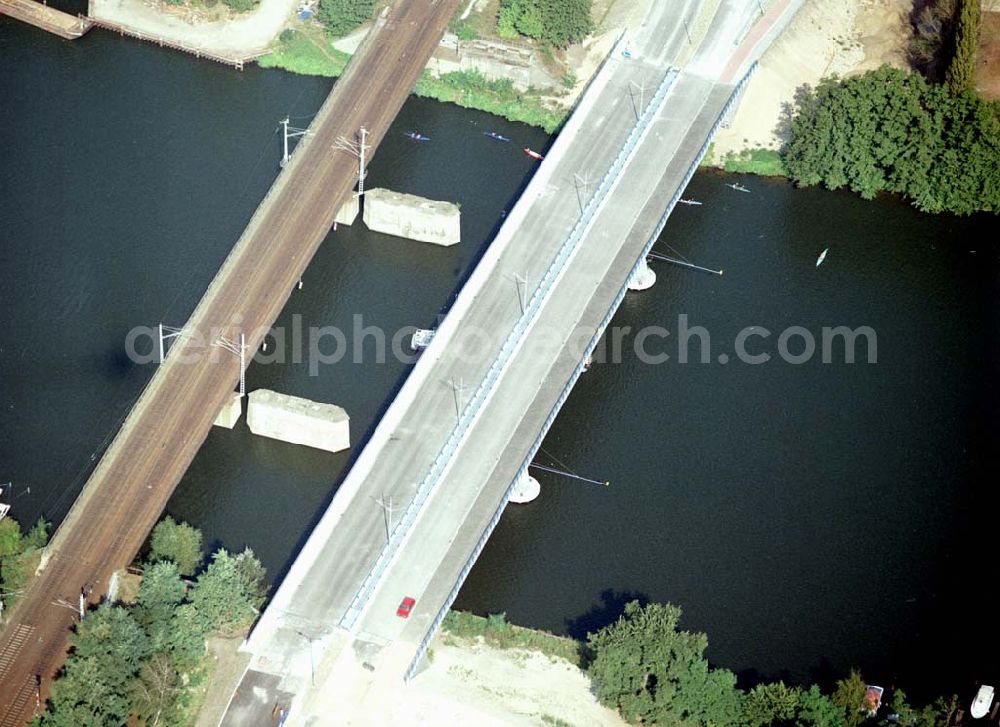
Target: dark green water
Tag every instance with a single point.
(808, 517)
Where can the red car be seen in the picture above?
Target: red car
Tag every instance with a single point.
(405, 607)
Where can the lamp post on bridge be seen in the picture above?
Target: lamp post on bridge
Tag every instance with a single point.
(289, 133)
(357, 149)
(240, 350)
(386, 504)
(312, 662)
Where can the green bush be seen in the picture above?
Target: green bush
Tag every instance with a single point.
(299, 53)
(176, 542)
(466, 32)
(558, 22)
(755, 161)
(19, 556)
(143, 664)
(961, 73)
(342, 16)
(890, 130)
(473, 90)
(241, 6)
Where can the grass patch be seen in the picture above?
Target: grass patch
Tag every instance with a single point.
(472, 90)
(766, 162)
(498, 633)
(554, 721)
(307, 53)
(709, 159)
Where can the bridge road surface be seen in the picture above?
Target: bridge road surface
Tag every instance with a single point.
(317, 591)
(134, 479)
(495, 450)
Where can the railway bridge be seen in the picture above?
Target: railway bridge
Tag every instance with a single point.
(132, 482)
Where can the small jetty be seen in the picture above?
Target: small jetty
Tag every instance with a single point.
(49, 19)
(237, 61)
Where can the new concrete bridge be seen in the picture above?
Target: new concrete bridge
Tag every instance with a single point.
(473, 411)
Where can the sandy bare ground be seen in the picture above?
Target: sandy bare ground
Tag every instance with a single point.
(988, 63)
(242, 34)
(825, 37)
(228, 666)
(470, 683)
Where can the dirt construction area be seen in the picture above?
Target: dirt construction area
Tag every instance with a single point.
(471, 683)
(241, 34)
(825, 37)
(988, 61)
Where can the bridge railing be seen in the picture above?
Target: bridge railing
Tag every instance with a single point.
(510, 345)
(568, 388)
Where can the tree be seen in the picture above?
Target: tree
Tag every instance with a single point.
(155, 692)
(10, 538)
(566, 21)
(891, 130)
(769, 704)
(227, 594)
(818, 710)
(557, 22)
(929, 49)
(961, 73)
(109, 647)
(651, 671)
(849, 696)
(241, 6)
(17, 559)
(342, 16)
(38, 536)
(160, 594)
(177, 542)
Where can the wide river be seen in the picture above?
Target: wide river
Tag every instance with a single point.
(809, 516)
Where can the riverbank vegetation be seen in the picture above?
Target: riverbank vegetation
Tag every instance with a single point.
(555, 22)
(499, 633)
(19, 556)
(342, 16)
(890, 130)
(309, 53)
(472, 90)
(306, 53)
(652, 672)
(765, 162)
(961, 74)
(145, 662)
(929, 48)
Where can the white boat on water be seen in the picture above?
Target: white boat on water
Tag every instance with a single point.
(421, 339)
(822, 257)
(982, 703)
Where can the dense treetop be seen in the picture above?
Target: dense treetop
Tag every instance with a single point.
(889, 130)
(559, 22)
